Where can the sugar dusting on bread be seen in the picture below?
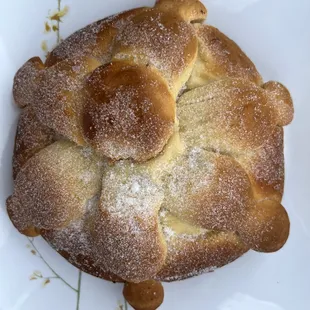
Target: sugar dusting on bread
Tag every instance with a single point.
(50, 190)
(25, 82)
(128, 119)
(191, 255)
(58, 100)
(234, 116)
(95, 39)
(130, 191)
(175, 215)
(29, 141)
(219, 58)
(75, 238)
(157, 41)
(129, 195)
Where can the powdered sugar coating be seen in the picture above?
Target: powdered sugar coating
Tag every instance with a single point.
(123, 234)
(94, 40)
(265, 167)
(280, 101)
(205, 254)
(167, 42)
(234, 116)
(50, 191)
(25, 81)
(128, 235)
(29, 141)
(219, 57)
(197, 179)
(130, 112)
(60, 96)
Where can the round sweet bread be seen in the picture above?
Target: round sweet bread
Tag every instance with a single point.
(150, 149)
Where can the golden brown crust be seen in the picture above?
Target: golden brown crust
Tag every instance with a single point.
(265, 167)
(75, 254)
(190, 256)
(266, 227)
(162, 62)
(126, 230)
(130, 112)
(211, 193)
(60, 96)
(219, 57)
(31, 137)
(229, 116)
(189, 10)
(187, 255)
(30, 231)
(147, 295)
(25, 81)
(162, 40)
(95, 39)
(280, 101)
(209, 190)
(228, 202)
(52, 188)
(133, 256)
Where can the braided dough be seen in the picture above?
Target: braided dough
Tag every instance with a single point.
(150, 148)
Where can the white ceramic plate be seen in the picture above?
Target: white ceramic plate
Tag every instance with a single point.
(276, 35)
